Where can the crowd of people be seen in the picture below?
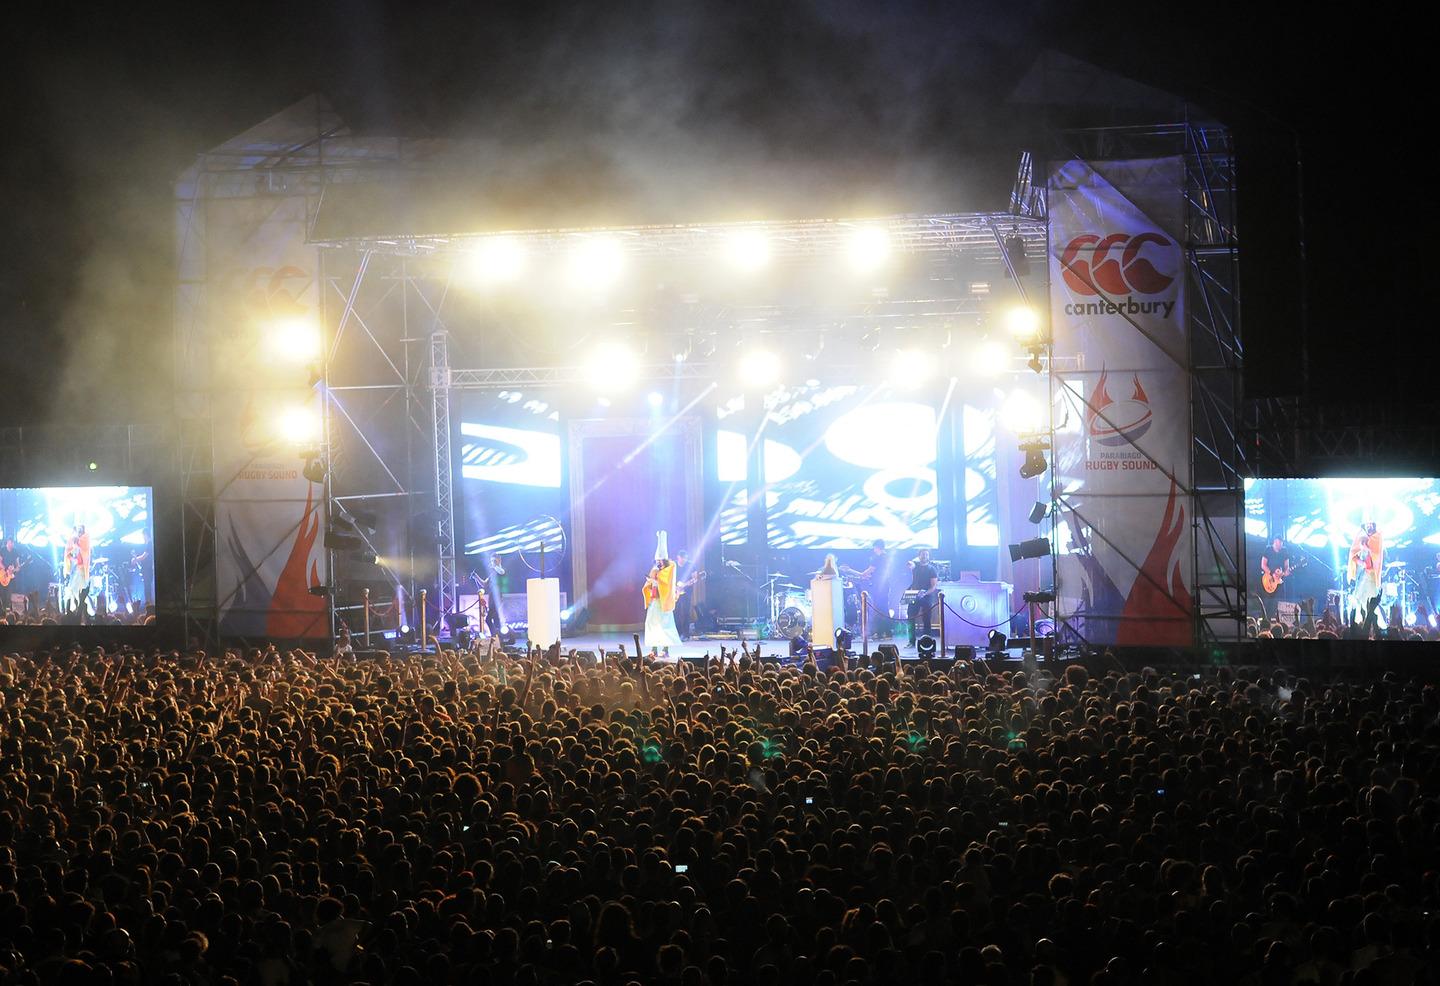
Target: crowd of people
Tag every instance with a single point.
(269, 817)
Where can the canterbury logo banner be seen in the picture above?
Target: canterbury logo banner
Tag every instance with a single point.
(1117, 311)
(1116, 264)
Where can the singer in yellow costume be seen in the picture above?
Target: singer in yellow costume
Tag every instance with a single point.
(1367, 564)
(660, 593)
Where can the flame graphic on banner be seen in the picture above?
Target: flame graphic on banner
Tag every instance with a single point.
(1159, 608)
(294, 612)
(1123, 422)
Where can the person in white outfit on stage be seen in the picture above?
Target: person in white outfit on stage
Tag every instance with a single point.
(660, 594)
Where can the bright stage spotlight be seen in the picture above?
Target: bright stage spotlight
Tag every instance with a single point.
(655, 399)
(596, 262)
(911, 367)
(1023, 322)
(759, 367)
(868, 248)
(293, 339)
(991, 358)
(297, 425)
(611, 367)
(747, 250)
(1021, 412)
(495, 260)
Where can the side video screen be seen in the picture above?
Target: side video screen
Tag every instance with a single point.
(68, 549)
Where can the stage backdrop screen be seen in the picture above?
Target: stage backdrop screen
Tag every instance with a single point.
(844, 465)
(510, 479)
(94, 542)
(1320, 524)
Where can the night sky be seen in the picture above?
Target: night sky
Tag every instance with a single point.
(108, 103)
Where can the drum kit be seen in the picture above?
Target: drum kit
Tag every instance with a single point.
(1399, 588)
(788, 605)
(108, 590)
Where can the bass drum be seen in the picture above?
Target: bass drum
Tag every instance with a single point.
(791, 623)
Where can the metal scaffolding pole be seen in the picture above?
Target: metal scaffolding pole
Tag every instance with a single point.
(444, 477)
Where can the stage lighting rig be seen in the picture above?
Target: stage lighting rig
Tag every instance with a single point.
(1031, 548)
(495, 260)
(596, 262)
(991, 358)
(1022, 413)
(1038, 512)
(314, 469)
(759, 368)
(1015, 255)
(911, 367)
(611, 367)
(1023, 322)
(1034, 447)
(297, 425)
(868, 248)
(294, 339)
(748, 250)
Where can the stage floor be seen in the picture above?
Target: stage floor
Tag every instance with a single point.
(699, 648)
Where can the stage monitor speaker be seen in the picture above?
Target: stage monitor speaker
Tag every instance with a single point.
(587, 657)
(693, 662)
(964, 652)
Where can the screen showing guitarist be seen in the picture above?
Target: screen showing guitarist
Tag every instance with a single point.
(1276, 564)
(11, 561)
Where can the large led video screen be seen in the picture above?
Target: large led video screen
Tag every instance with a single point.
(844, 465)
(1347, 556)
(84, 552)
(511, 477)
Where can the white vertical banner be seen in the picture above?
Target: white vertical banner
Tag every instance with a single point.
(269, 517)
(1117, 292)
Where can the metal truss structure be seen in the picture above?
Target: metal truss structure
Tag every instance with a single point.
(1219, 461)
(390, 373)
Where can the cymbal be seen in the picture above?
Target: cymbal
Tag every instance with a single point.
(1396, 564)
(787, 585)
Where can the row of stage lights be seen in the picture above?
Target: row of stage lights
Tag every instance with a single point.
(597, 261)
(613, 366)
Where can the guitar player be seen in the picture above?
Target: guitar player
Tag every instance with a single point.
(1276, 564)
(11, 561)
(685, 605)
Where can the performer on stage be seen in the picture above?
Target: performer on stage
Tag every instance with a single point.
(875, 580)
(76, 568)
(11, 562)
(487, 593)
(1275, 567)
(660, 594)
(684, 602)
(924, 579)
(1367, 558)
